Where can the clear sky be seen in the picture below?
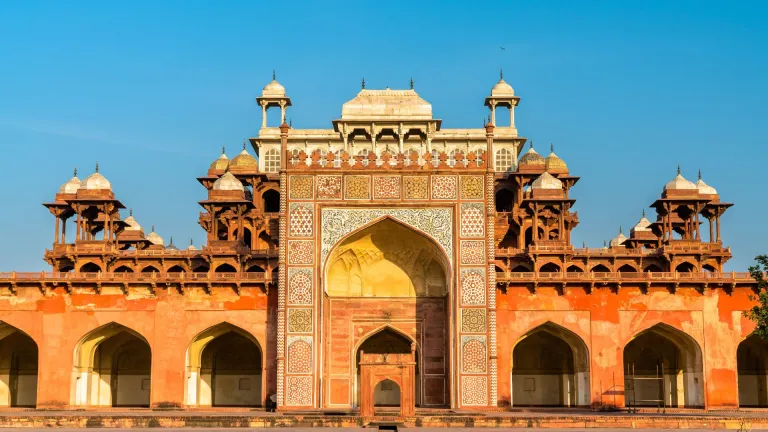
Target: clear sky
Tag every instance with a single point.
(151, 90)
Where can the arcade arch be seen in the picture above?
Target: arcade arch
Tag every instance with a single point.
(18, 368)
(550, 367)
(224, 368)
(752, 366)
(386, 340)
(112, 367)
(673, 357)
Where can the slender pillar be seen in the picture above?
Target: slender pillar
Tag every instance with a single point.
(56, 237)
(64, 231)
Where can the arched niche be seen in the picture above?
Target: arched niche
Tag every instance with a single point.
(387, 259)
(18, 368)
(752, 365)
(663, 366)
(224, 368)
(112, 367)
(550, 367)
(386, 340)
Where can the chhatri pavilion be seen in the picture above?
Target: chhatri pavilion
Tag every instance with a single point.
(386, 261)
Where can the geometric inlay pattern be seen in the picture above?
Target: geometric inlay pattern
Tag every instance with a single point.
(298, 391)
(357, 187)
(473, 286)
(473, 354)
(473, 320)
(474, 390)
(444, 187)
(328, 187)
(472, 252)
(416, 187)
(472, 187)
(300, 320)
(299, 286)
(299, 354)
(472, 220)
(436, 222)
(386, 187)
(300, 251)
(300, 217)
(302, 187)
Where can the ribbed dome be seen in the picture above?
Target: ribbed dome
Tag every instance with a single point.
(680, 183)
(96, 181)
(221, 163)
(619, 239)
(228, 182)
(71, 186)
(154, 238)
(133, 224)
(502, 89)
(531, 157)
(547, 181)
(553, 163)
(704, 188)
(244, 160)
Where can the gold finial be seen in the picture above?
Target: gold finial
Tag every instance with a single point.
(678, 169)
(363, 83)
(411, 83)
(274, 77)
(97, 167)
(501, 74)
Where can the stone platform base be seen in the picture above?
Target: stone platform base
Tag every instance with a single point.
(738, 420)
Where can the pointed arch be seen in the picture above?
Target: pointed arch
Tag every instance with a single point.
(150, 269)
(225, 268)
(112, 366)
(550, 366)
(176, 269)
(599, 268)
(90, 267)
(752, 369)
(549, 268)
(224, 367)
(18, 367)
(627, 268)
(673, 356)
(123, 269)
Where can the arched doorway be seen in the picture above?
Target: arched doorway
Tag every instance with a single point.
(112, 367)
(663, 367)
(386, 341)
(387, 286)
(752, 365)
(18, 368)
(550, 367)
(224, 368)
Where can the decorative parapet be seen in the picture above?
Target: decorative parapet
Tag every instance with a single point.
(387, 161)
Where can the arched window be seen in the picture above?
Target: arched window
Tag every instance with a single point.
(685, 267)
(123, 269)
(364, 154)
(272, 160)
(574, 269)
(90, 268)
(225, 268)
(626, 268)
(600, 269)
(150, 269)
(452, 157)
(504, 160)
(271, 201)
(549, 268)
(478, 154)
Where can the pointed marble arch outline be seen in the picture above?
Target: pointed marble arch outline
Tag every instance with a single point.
(434, 222)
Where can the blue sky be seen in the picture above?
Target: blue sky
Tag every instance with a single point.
(151, 90)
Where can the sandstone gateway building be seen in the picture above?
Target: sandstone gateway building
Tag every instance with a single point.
(387, 260)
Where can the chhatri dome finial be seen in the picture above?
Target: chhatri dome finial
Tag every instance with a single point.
(75, 173)
(223, 150)
(501, 73)
(411, 83)
(678, 169)
(153, 227)
(531, 143)
(699, 173)
(244, 140)
(191, 243)
(274, 76)
(363, 83)
(643, 212)
(551, 147)
(97, 167)
(130, 212)
(620, 230)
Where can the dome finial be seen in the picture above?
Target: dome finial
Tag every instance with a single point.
(699, 173)
(153, 227)
(605, 243)
(501, 73)
(274, 76)
(130, 212)
(551, 147)
(75, 174)
(97, 167)
(411, 83)
(678, 169)
(171, 243)
(620, 230)
(244, 140)
(223, 150)
(363, 83)
(531, 143)
(643, 212)
(191, 243)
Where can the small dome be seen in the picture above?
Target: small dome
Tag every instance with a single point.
(221, 163)
(244, 160)
(502, 89)
(704, 188)
(133, 224)
(553, 163)
(531, 157)
(680, 183)
(619, 239)
(71, 186)
(154, 238)
(96, 181)
(171, 246)
(228, 182)
(643, 224)
(273, 89)
(547, 181)
(191, 246)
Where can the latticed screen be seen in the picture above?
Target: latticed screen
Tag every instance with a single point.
(272, 160)
(504, 160)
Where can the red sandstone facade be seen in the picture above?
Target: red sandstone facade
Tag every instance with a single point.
(387, 235)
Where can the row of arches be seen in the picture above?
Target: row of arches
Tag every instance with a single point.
(684, 267)
(222, 268)
(113, 368)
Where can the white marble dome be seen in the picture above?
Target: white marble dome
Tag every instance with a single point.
(547, 181)
(680, 183)
(96, 181)
(704, 188)
(155, 238)
(133, 224)
(502, 89)
(72, 186)
(228, 182)
(619, 239)
(273, 89)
